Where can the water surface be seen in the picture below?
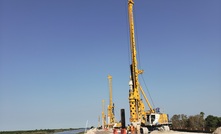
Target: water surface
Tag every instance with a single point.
(71, 131)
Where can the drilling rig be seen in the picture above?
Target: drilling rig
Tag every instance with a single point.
(103, 115)
(112, 122)
(142, 120)
(111, 118)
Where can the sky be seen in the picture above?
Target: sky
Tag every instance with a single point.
(55, 57)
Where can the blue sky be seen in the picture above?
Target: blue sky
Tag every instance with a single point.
(55, 57)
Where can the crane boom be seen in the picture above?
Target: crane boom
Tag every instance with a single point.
(111, 118)
(136, 105)
(146, 99)
(141, 119)
(103, 114)
(110, 89)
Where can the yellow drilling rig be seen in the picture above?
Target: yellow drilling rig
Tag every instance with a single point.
(110, 109)
(112, 122)
(103, 115)
(141, 120)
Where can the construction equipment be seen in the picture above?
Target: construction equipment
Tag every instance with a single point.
(99, 124)
(103, 115)
(111, 118)
(141, 119)
(112, 122)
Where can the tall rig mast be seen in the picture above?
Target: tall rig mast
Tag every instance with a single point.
(136, 105)
(111, 118)
(146, 120)
(103, 114)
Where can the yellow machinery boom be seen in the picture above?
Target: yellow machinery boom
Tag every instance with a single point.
(136, 104)
(99, 121)
(103, 115)
(138, 115)
(111, 118)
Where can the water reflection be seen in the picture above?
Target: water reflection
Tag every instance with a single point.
(71, 131)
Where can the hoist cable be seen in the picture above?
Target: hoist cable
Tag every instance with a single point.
(139, 59)
(148, 91)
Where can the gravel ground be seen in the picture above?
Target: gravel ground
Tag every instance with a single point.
(173, 132)
(93, 131)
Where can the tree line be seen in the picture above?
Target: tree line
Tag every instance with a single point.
(195, 122)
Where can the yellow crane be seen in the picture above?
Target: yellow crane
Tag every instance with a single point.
(111, 118)
(141, 119)
(103, 115)
(99, 121)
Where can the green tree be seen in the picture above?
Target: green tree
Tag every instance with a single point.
(202, 114)
(202, 119)
(212, 122)
(219, 122)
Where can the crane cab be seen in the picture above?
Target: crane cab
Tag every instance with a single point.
(157, 121)
(152, 119)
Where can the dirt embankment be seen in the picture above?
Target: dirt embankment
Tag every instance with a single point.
(217, 131)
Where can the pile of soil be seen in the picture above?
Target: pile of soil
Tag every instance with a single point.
(217, 131)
